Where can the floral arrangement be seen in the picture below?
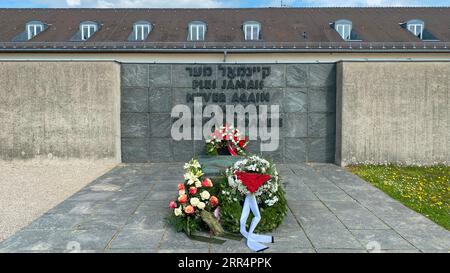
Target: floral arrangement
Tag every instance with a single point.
(266, 193)
(196, 207)
(270, 195)
(226, 140)
(195, 202)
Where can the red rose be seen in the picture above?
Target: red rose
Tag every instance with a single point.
(192, 190)
(180, 186)
(207, 183)
(243, 142)
(182, 199)
(213, 201)
(172, 204)
(189, 209)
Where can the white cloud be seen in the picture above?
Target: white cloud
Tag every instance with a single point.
(136, 3)
(73, 3)
(158, 4)
(350, 3)
(233, 3)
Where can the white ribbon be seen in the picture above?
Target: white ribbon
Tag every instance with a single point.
(253, 240)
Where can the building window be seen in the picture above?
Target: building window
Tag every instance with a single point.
(33, 29)
(252, 31)
(141, 30)
(344, 28)
(88, 29)
(416, 27)
(197, 31)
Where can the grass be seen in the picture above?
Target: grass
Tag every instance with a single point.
(423, 189)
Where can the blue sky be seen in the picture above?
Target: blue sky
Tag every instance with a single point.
(213, 3)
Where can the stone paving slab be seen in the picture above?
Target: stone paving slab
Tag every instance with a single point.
(330, 210)
(57, 240)
(340, 250)
(103, 222)
(355, 216)
(56, 222)
(387, 239)
(331, 237)
(137, 239)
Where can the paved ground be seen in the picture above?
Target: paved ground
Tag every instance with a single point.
(30, 188)
(331, 210)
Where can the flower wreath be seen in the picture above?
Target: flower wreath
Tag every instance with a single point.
(270, 196)
(254, 164)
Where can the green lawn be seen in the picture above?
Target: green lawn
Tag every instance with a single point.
(423, 189)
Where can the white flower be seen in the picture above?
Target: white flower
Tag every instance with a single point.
(271, 202)
(201, 205)
(231, 181)
(198, 184)
(195, 201)
(181, 192)
(205, 195)
(189, 176)
(196, 164)
(178, 211)
(192, 164)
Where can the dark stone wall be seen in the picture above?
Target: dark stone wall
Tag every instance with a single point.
(306, 94)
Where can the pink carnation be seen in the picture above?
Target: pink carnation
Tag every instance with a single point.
(172, 204)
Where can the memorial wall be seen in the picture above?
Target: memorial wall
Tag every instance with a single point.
(305, 94)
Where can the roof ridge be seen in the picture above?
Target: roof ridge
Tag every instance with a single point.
(244, 8)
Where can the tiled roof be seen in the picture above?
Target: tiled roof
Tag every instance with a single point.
(281, 29)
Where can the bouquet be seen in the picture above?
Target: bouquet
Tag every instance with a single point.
(192, 210)
(226, 141)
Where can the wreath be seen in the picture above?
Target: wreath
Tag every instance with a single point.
(269, 195)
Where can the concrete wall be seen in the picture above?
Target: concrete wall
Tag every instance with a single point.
(393, 112)
(305, 93)
(59, 109)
